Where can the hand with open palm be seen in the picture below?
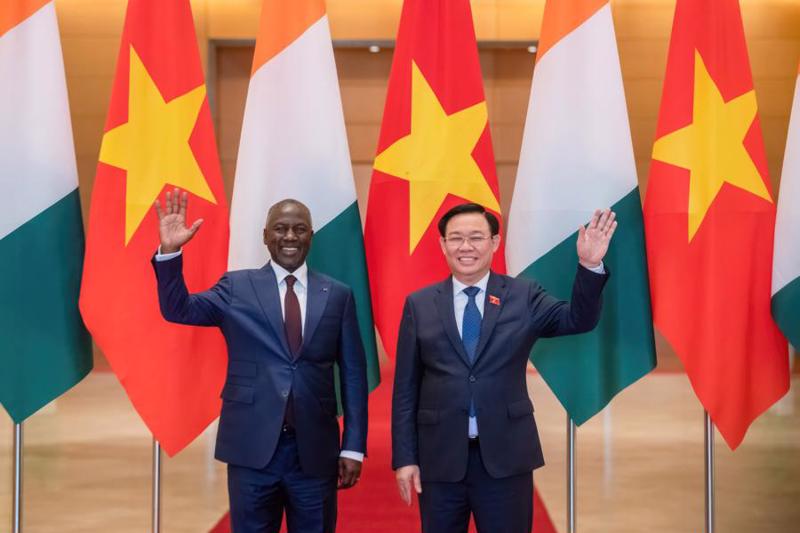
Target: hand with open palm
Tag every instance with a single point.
(172, 222)
(594, 238)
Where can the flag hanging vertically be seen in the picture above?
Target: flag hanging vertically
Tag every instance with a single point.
(158, 134)
(434, 151)
(786, 265)
(709, 221)
(577, 156)
(44, 348)
(294, 145)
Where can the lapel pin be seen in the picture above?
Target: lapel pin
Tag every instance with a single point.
(494, 300)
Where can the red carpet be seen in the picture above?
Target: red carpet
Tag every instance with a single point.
(373, 506)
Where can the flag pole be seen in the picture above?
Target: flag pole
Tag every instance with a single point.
(709, 440)
(16, 514)
(571, 526)
(156, 486)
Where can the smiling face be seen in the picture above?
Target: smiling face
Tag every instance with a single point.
(288, 234)
(468, 246)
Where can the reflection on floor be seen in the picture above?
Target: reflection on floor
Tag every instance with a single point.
(640, 465)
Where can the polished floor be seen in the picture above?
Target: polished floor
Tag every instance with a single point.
(640, 467)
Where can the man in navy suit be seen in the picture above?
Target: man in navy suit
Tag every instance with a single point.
(463, 432)
(285, 327)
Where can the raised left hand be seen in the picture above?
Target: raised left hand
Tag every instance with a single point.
(594, 238)
(349, 472)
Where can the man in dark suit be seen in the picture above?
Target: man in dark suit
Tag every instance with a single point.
(285, 327)
(463, 431)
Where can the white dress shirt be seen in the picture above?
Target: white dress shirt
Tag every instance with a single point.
(301, 290)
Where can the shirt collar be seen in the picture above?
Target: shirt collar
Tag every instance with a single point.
(481, 284)
(301, 273)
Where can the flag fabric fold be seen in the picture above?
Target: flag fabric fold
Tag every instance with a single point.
(45, 348)
(577, 156)
(786, 262)
(434, 152)
(294, 145)
(158, 134)
(709, 221)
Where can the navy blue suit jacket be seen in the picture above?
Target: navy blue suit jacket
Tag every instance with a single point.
(434, 379)
(245, 305)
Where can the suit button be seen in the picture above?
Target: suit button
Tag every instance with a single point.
(294, 367)
(472, 379)
(285, 393)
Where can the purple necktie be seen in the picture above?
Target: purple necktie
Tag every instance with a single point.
(292, 321)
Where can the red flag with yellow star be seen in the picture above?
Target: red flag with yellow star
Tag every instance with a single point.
(434, 152)
(709, 219)
(158, 135)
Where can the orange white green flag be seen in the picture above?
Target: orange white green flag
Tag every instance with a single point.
(44, 347)
(577, 156)
(786, 264)
(434, 152)
(158, 134)
(294, 145)
(709, 221)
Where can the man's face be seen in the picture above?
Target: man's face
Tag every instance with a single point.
(288, 235)
(468, 246)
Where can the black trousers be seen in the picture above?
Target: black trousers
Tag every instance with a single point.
(259, 497)
(503, 505)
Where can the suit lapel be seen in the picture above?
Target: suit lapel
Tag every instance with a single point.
(265, 286)
(444, 303)
(316, 300)
(492, 304)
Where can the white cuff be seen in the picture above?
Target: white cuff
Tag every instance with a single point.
(166, 257)
(356, 456)
(599, 269)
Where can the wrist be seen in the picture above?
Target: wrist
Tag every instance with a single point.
(588, 264)
(169, 249)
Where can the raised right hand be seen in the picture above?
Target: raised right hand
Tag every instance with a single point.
(172, 222)
(406, 477)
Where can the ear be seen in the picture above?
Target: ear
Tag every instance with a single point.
(443, 245)
(264, 234)
(495, 242)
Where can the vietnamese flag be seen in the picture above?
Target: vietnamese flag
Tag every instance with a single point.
(434, 152)
(158, 135)
(709, 221)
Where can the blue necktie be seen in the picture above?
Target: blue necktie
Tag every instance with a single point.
(471, 330)
(471, 323)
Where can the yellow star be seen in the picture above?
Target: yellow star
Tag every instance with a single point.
(711, 147)
(436, 157)
(153, 146)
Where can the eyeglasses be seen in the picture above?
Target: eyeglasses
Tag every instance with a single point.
(456, 241)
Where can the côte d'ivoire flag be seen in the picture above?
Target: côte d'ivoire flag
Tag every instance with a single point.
(158, 135)
(786, 264)
(434, 152)
(294, 145)
(577, 156)
(709, 221)
(44, 348)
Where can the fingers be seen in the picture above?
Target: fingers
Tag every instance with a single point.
(595, 219)
(417, 482)
(404, 486)
(184, 199)
(195, 226)
(611, 230)
(349, 472)
(157, 205)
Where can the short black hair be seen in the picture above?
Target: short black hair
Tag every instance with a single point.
(494, 224)
(289, 201)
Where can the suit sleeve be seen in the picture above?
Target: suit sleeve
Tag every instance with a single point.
(353, 380)
(405, 396)
(206, 308)
(553, 317)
